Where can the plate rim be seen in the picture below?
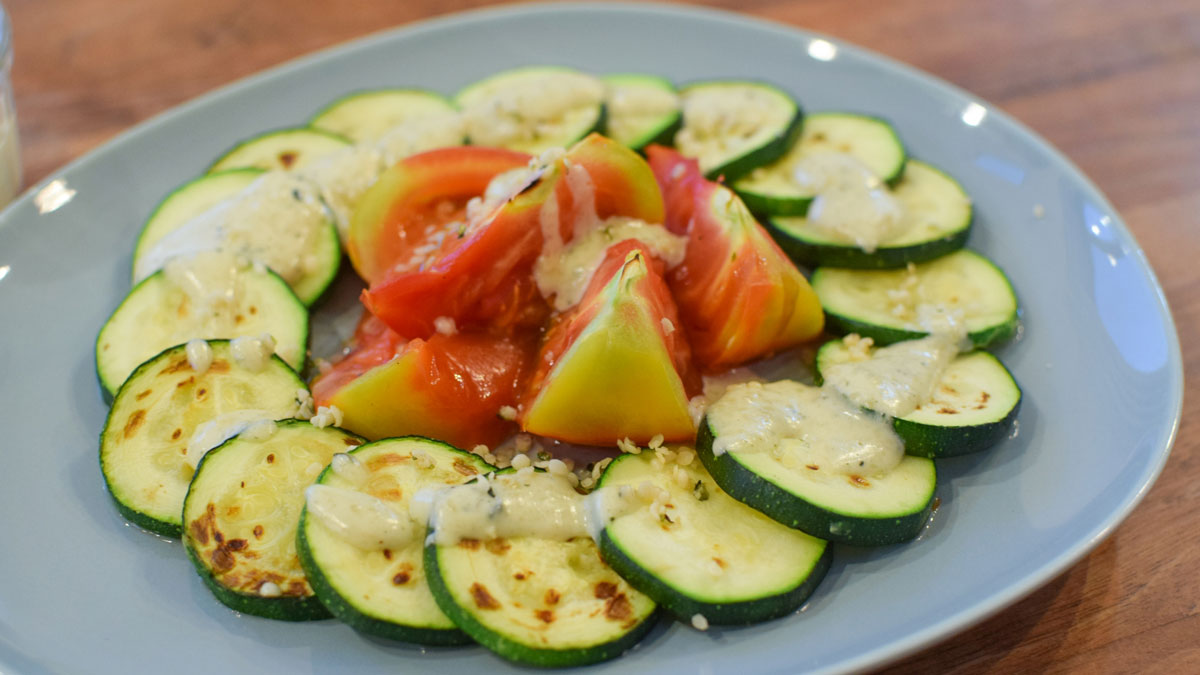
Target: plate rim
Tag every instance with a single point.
(880, 655)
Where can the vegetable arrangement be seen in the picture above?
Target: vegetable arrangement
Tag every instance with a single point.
(547, 279)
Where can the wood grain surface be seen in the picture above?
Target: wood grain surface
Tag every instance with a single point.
(1115, 84)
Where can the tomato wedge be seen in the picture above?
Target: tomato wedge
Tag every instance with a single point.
(485, 282)
(739, 295)
(616, 366)
(448, 387)
(374, 344)
(419, 203)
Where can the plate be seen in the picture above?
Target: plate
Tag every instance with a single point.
(1098, 360)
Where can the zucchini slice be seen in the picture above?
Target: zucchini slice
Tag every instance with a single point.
(894, 305)
(286, 149)
(533, 109)
(773, 190)
(704, 553)
(163, 311)
(375, 589)
(279, 219)
(791, 475)
(536, 600)
(241, 512)
(642, 109)
(367, 116)
(733, 127)
(144, 444)
(973, 407)
(188, 201)
(935, 220)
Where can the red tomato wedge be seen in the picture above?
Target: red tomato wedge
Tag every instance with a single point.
(617, 365)
(485, 282)
(739, 295)
(417, 204)
(448, 387)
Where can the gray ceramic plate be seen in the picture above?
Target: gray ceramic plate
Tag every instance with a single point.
(82, 592)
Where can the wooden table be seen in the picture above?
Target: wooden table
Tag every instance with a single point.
(1115, 84)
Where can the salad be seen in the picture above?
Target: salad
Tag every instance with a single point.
(557, 415)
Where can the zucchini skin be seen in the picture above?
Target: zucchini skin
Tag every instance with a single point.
(364, 623)
(884, 335)
(721, 613)
(664, 137)
(793, 511)
(765, 206)
(515, 651)
(815, 254)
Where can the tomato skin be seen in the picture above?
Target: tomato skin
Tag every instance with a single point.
(413, 202)
(448, 387)
(739, 295)
(622, 181)
(616, 365)
(485, 281)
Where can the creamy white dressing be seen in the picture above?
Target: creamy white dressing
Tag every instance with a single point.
(895, 379)
(253, 423)
(199, 355)
(522, 504)
(524, 110)
(343, 177)
(606, 504)
(525, 503)
(359, 519)
(276, 220)
(851, 202)
(565, 277)
(814, 426)
(252, 352)
(563, 270)
(419, 134)
(211, 283)
(350, 469)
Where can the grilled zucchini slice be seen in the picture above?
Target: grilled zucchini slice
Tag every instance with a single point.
(733, 127)
(375, 589)
(144, 445)
(893, 305)
(533, 109)
(287, 149)
(241, 512)
(161, 312)
(703, 554)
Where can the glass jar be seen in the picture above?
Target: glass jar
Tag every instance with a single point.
(10, 153)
